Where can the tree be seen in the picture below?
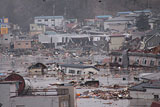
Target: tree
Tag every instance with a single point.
(142, 23)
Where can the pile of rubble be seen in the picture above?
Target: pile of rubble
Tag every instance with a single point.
(105, 95)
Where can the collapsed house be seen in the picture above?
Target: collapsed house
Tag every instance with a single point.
(75, 69)
(37, 69)
(149, 88)
(146, 90)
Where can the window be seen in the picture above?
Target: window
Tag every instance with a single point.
(115, 60)
(6, 39)
(137, 61)
(120, 59)
(26, 43)
(52, 20)
(72, 71)
(46, 20)
(144, 61)
(79, 72)
(19, 44)
(151, 63)
(156, 97)
(39, 20)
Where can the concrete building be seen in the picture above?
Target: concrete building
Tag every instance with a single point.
(58, 97)
(116, 41)
(119, 24)
(137, 59)
(5, 40)
(36, 29)
(73, 69)
(49, 21)
(4, 26)
(22, 44)
(17, 91)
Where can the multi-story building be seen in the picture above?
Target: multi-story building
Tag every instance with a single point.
(50, 21)
(22, 44)
(37, 29)
(4, 26)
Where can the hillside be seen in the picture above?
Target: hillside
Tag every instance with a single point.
(23, 11)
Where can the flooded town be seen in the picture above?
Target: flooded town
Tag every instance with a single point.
(101, 60)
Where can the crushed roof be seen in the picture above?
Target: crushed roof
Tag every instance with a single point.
(142, 86)
(78, 66)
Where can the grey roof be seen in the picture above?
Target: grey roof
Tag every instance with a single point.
(155, 76)
(78, 66)
(142, 86)
(119, 19)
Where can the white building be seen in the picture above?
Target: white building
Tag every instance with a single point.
(119, 24)
(116, 41)
(75, 69)
(50, 21)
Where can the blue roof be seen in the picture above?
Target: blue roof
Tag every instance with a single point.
(145, 11)
(48, 17)
(50, 32)
(127, 12)
(104, 16)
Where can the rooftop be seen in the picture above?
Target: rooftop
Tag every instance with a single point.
(142, 86)
(78, 66)
(155, 76)
(48, 17)
(104, 16)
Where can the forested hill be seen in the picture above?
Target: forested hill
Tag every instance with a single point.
(23, 11)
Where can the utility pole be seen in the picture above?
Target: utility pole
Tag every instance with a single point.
(54, 7)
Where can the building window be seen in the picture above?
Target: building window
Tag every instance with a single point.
(144, 61)
(26, 43)
(46, 20)
(39, 20)
(120, 59)
(72, 71)
(6, 39)
(52, 20)
(151, 63)
(19, 43)
(79, 72)
(137, 61)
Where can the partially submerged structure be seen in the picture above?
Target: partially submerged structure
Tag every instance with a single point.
(76, 69)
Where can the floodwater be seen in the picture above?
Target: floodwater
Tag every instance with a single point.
(8, 64)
